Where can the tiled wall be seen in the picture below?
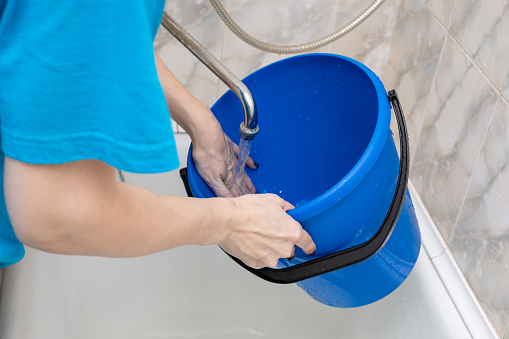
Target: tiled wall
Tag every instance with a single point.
(277, 22)
(449, 61)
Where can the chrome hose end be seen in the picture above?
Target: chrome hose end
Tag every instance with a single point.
(248, 133)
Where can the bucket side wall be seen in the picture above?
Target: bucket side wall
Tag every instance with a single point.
(358, 216)
(375, 278)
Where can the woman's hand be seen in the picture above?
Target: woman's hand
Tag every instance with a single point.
(264, 232)
(215, 157)
(214, 154)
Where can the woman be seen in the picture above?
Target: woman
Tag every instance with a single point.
(82, 93)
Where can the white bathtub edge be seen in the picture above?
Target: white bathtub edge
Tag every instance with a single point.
(462, 295)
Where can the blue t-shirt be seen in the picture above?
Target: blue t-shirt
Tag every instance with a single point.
(78, 81)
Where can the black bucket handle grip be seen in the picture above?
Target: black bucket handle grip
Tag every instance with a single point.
(352, 255)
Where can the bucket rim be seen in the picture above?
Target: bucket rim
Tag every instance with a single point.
(361, 168)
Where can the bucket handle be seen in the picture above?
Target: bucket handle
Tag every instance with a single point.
(352, 255)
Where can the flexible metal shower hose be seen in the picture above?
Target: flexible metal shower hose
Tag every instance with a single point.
(279, 49)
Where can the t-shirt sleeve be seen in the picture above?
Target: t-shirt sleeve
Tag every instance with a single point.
(78, 81)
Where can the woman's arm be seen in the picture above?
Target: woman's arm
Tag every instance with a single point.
(214, 154)
(80, 208)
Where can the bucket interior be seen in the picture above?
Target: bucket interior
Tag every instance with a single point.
(317, 115)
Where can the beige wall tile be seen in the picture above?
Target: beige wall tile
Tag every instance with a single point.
(285, 22)
(505, 89)
(441, 9)
(370, 42)
(481, 28)
(457, 116)
(481, 238)
(415, 51)
(200, 20)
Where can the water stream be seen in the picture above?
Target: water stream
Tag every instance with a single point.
(244, 149)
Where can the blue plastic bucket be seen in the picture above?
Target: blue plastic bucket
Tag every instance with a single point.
(325, 146)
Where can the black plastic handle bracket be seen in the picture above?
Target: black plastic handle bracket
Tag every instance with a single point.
(183, 176)
(356, 254)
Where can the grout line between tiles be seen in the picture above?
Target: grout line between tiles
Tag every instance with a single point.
(425, 108)
(221, 53)
(333, 22)
(452, 14)
(504, 100)
(460, 46)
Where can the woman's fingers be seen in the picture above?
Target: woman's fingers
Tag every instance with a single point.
(306, 243)
(292, 255)
(286, 205)
(251, 163)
